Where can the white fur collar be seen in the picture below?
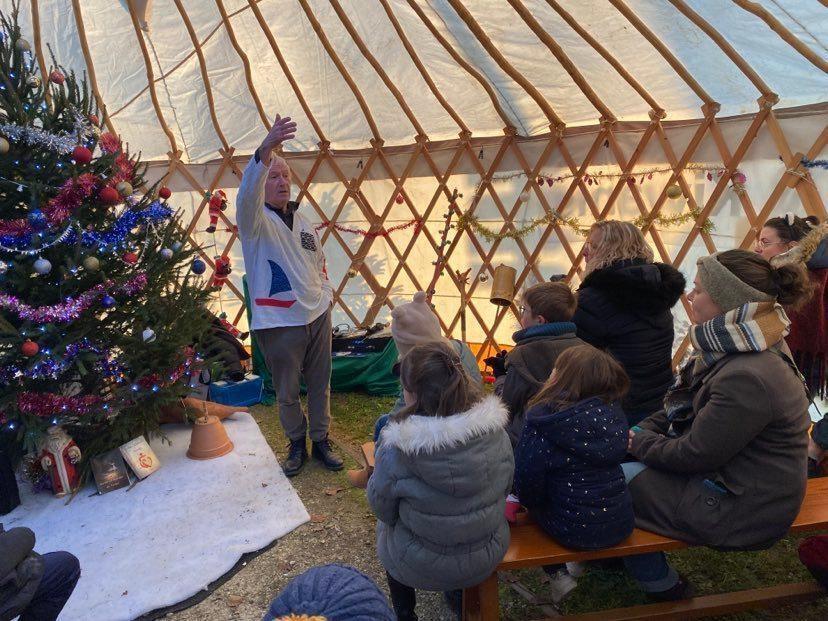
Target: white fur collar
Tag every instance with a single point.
(427, 434)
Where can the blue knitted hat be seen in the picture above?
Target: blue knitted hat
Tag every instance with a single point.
(336, 592)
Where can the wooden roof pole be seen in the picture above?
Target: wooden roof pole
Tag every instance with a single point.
(286, 70)
(248, 76)
(421, 68)
(377, 67)
(560, 55)
(148, 64)
(323, 39)
(90, 66)
(728, 49)
(786, 35)
(205, 78)
(462, 62)
(674, 62)
(504, 64)
(38, 46)
(619, 68)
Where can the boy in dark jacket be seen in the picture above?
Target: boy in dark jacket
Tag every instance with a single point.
(32, 586)
(568, 461)
(546, 331)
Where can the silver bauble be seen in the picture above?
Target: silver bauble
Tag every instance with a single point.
(42, 266)
(166, 254)
(148, 335)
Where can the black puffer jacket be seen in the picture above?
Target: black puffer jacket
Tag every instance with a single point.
(625, 309)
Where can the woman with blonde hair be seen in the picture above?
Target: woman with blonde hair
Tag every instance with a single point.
(624, 307)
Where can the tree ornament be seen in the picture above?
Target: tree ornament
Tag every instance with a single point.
(124, 188)
(109, 196)
(166, 253)
(4, 146)
(4, 267)
(56, 77)
(37, 219)
(148, 335)
(21, 45)
(217, 204)
(130, 257)
(81, 155)
(29, 348)
(199, 266)
(42, 266)
(352, 273)
(739, 177)
(108, 301)
(399, 199)
(164, 193)
(673, 191)
(483, 277)
(94, 120)
(177, 246)
(524, 196)
(33, 81)
(91, 264)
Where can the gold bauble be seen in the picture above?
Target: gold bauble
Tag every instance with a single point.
(351, 273)
(33, 80)
(91, 264)
(124, 188)
(4, 146)
(673, 191)
(22, 45)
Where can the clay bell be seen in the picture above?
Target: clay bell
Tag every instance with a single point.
(209, 439)
(503, 285)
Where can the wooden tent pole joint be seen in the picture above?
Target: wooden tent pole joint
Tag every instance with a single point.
(509, 130)
(657, 114)
(324, 146)
(795, 172)
(465, 136)
(558, 129)
(712, 108)
(377, 143)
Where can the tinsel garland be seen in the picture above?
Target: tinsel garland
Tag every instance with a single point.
(112, 236)
(51, 368)
(677, 220)
(468, 220)
(45, 404)
(814, 163)
(70, 309)
(382, 232)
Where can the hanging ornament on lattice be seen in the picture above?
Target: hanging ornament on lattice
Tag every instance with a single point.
(217, 204)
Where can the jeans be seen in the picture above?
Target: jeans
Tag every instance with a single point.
(404, 600)
(632, 469)
(61, 572)
(382, 421)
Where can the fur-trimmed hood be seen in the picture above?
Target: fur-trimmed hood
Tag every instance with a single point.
(430, 434)
(812, 250)
(638, 286)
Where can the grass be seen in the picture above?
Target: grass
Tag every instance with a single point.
(353, 417)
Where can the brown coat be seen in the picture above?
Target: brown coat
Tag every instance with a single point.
(735, 475)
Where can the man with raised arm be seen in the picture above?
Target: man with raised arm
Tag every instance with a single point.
(290, 297)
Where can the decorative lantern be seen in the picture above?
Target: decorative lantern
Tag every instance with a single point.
(503, 285)
(59, 456)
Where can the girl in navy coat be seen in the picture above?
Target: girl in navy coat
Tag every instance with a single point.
(568, 461)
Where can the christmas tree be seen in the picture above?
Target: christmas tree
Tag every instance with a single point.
(100, 309)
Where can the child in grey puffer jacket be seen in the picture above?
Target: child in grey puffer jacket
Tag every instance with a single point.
(443, 469)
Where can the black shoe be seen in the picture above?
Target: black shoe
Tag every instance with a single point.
(814, 469)
(683, 589)
(297, 456)
(323, 451)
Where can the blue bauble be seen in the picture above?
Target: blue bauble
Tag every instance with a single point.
(37, 219)
(177, 246)
(199, 266)
(108, 301)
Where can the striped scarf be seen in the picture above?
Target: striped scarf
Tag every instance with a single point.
(753, 327)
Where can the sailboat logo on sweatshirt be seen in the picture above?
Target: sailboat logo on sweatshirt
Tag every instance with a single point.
(279, 285)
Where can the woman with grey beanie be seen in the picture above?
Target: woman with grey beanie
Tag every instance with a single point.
(724, 464)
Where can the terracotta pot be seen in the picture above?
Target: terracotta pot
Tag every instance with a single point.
(209, 439)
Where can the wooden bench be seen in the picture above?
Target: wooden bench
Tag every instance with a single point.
(531, 547)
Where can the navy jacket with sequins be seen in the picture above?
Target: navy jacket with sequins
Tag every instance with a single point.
(568, 473)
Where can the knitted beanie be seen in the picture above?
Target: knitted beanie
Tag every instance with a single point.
(335, 592)
(726, 289)
(414, 324)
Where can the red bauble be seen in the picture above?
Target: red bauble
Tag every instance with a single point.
(57, 77)
(165, 192)
(399, 200)
(130, 257)
(109, 196)
(94, 120)
(29, 349)
(82, 155)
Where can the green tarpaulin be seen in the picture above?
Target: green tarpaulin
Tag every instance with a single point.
(369, 373)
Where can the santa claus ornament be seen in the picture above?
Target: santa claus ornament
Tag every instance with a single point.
(223, 270)
(217, 204)
(59, 456)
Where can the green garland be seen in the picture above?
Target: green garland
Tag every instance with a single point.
(467, 220)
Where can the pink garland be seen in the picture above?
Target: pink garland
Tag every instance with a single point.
(70, 309)
(71, 195)
(45, 404)
(382, 232)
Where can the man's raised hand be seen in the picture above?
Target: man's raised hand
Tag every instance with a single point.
(283, 129)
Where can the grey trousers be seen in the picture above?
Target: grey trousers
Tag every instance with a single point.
(295, 351)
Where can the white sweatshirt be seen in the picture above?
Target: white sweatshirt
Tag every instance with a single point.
(286, 276)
